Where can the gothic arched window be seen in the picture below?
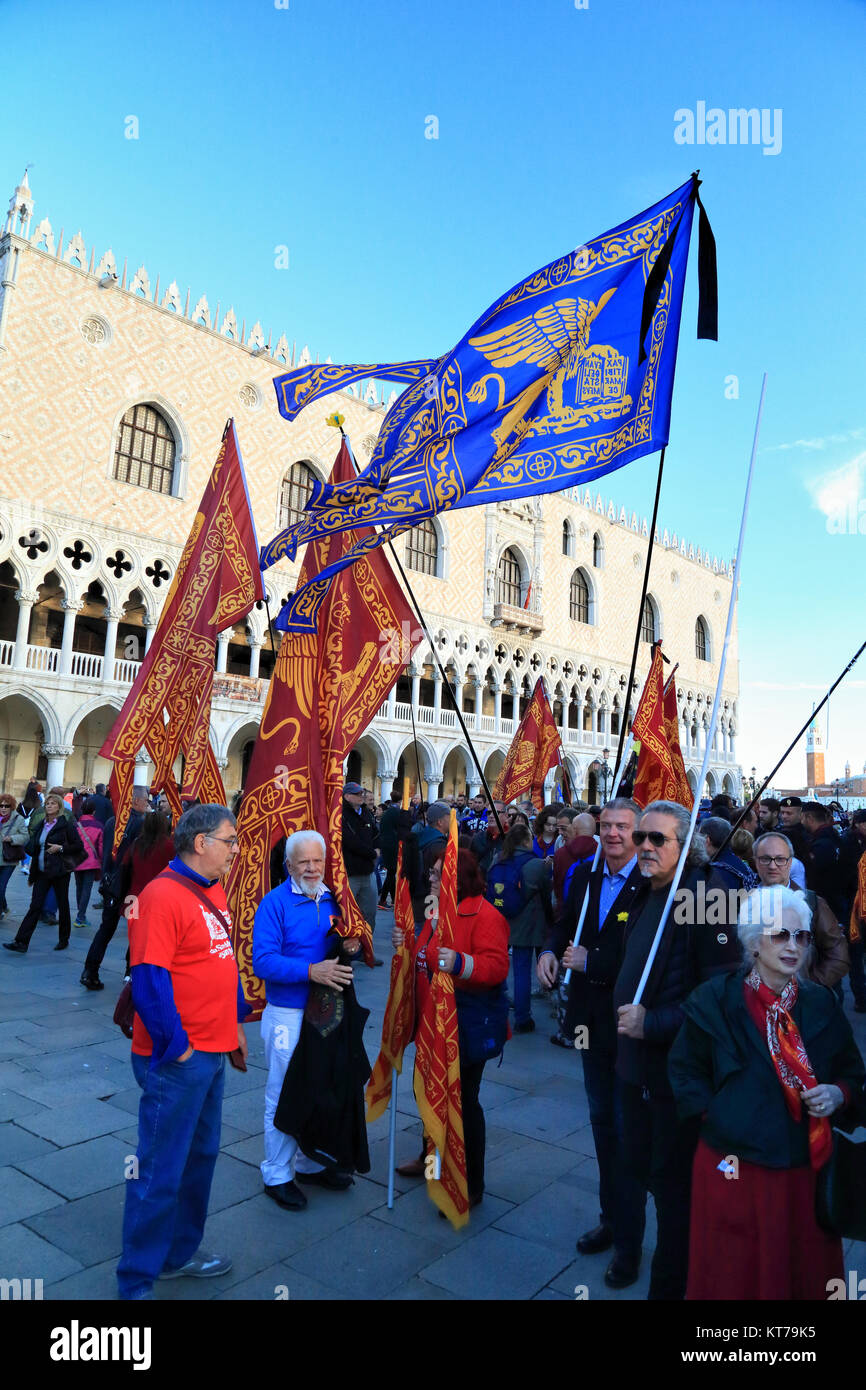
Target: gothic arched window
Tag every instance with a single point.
(578, 598)
(648, 630)
(508, 579)
(145, 451)
(422, 548)
(295, 492)
(702, 640)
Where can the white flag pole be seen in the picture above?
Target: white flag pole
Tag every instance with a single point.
(711, 732)
(566, 979)
(392, 1139)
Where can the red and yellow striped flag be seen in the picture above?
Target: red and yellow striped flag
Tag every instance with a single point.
(437, 1060)
(399, 1018)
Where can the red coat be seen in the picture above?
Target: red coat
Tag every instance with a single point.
(480, 936)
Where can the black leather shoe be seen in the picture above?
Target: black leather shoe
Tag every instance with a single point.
(62, 946)
(528, 1026)
(337, 1182)
(15, 946)
(287, 1195)
(91, 981)
(621, 1273)
(594, 1241)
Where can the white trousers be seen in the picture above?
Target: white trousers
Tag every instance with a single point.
(281, 1029)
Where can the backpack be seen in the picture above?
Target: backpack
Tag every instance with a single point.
(505, 887)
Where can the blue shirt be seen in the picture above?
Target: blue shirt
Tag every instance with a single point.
(611, 887)
(289, 932)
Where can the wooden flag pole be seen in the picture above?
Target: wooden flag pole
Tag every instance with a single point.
(675, 883)
(566, 979)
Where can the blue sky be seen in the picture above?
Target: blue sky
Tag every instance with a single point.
(304, 126)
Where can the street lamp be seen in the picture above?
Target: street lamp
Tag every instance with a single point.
(605, 773)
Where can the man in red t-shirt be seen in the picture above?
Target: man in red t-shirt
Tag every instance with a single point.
(188, 1003)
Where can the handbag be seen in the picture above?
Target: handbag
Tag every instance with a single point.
(482, 1023)
(12, 854)
(840, 1197)
(124, 1011)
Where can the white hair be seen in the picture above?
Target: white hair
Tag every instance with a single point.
(764, 909)
(300, 837)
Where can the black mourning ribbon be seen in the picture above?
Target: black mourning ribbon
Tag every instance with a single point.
(708, 289)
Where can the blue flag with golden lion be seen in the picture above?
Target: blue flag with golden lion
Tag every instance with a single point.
(568, 376)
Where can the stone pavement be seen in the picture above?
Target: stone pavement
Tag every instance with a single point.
(68, 1122)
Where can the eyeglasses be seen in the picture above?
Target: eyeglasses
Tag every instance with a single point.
(782, 935)
(223, 841)
(779, 860)
(655, 837)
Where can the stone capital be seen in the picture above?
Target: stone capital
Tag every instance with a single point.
(26, 596)
(57, 750)
(113, 615)
(71, 605)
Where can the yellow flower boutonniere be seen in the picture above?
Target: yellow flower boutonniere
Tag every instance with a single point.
(622, 916)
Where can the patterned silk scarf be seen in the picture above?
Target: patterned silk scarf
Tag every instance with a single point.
(793, 1067)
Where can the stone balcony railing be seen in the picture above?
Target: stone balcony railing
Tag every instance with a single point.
(515, 619)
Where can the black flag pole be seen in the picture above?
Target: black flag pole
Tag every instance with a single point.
(623, 723)
(791, 746)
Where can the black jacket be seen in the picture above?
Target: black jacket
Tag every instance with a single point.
(690, 951)
(590, 998)
(64, 833)
(720, 1067)
(360, 839)
(824, 875)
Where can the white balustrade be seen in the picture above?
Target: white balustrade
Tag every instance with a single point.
(488, 724)
(383, 712)
(448, 719)
(424, 714)
(125, 672)
(403, 712)
(86, 664)
(7, 653)
(506, 726)
(43, 658)
(573, 735)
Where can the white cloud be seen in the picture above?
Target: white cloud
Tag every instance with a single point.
(835, 490)
(821, 442)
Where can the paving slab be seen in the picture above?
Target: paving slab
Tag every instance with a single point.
(418, 1290)
(25, 1255)
(537, 1117)
(246, 1111)
(496, 1265)
(16, 1107)
(76, 1121)
(80, 1169)
(17, 1144)
(233, 1182)
(21, 1196)
(414, 1212)
(587, 1272)
(279, 1279)
(88, 1229)
(369, 1261)
(96, 1284)
(55, 1091)
(516, 1176)
(551, 1217)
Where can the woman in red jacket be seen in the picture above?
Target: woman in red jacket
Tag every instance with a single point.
(478, 961)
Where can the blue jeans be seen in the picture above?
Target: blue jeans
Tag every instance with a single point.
(178, 1141)
(6, 872)
(521, 964)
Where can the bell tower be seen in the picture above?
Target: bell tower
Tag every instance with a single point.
(814, 756)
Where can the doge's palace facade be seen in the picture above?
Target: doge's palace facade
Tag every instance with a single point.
(114, 391)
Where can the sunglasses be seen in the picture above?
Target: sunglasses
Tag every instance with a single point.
(655, 837)
(782, 935)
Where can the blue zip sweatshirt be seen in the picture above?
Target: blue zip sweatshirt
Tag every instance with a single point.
(289, 934)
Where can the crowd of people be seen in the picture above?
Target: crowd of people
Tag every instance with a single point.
(716, 1048)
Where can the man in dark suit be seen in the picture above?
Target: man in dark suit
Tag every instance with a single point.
(591, 1021)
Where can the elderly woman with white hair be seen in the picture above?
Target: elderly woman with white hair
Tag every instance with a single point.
(767, 1059)
(290, 951)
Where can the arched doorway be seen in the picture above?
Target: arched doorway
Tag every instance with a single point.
(239, 754)
(22, 734)
(454, 773)
(84, 767)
